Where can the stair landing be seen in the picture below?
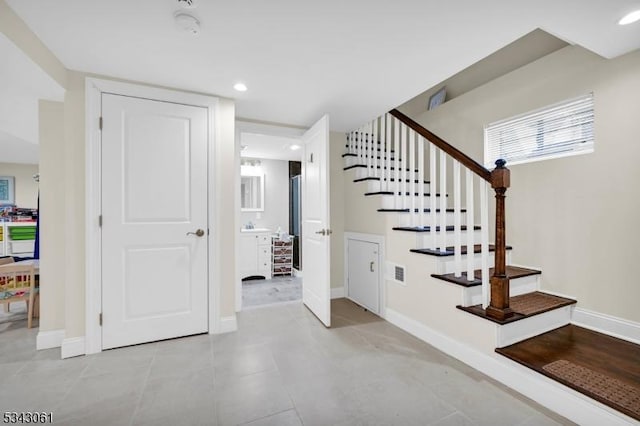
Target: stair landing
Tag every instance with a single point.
(524, 306)
(602, 367)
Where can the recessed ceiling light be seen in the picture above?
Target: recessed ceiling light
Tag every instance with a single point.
(630, 18)
(240, 87)
(294, 147)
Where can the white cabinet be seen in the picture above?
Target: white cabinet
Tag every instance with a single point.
(255, 253)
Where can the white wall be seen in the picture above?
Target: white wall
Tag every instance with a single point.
(26, 188)
(52, 216)
(574, 218)
(276, 200)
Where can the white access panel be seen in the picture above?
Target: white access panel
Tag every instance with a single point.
(363, 274)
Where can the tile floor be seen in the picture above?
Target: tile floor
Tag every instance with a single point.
(281, 368)
(267, 292)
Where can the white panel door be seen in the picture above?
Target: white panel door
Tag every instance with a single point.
(316, 284)
(154, 201)
(363, 274)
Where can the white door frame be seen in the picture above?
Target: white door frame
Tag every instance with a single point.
(369, 238)
(93, 242)
(245, 126)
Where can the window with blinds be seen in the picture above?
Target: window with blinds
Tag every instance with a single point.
(555, 131)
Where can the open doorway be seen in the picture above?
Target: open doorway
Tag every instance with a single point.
(27, 96)
(269, 262)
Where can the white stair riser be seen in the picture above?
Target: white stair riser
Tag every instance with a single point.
(404, 218)
(423, 239)
(523, 329)
(389, 201)
(361, 172)
(473, 295)
(446, 264)
(350, 161)
(377, 186)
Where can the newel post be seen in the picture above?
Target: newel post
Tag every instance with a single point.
(499, 305)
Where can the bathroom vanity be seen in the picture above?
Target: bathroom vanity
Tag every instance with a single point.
(255, 253)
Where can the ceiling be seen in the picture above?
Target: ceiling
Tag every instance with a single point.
(352, 59)
(256, 145)
(22, 84)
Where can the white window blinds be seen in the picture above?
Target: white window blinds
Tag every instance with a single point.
(556, 131)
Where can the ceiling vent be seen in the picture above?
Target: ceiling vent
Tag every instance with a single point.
(188, 4)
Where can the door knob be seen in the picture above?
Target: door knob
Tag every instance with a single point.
(371, 266)
(198, 233)
(321, 232)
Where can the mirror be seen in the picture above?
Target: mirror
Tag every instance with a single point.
(252, 192)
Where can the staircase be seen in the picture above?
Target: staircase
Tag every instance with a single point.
(439, 200)
(434, 189)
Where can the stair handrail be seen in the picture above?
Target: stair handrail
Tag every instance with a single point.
(454, 152)
(499, 178)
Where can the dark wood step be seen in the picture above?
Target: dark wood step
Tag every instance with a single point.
(426, 194)
(524, 306)
(417, 210)
(350, 154)
(449, 250)
(428, 228)
(375, 149)
(390, 180)
(513, 272)
(364, 166)
(612, 364)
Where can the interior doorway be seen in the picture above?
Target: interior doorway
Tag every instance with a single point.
(269, 261)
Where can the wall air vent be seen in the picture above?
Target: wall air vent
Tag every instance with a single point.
(396, 273)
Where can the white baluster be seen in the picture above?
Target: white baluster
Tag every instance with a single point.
(369, 150)
(388, 160)
(443, 201)
(432, 195)
(374, 136)
(383, 147)
(352, 142)
(457, 222)
(396, 192)
(484, 241)
(470, 223)
(360, 142)
(404, 147)
(421, 191)
(413, 205)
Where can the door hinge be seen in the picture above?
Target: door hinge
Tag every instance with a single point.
(100, 123)
(100, 319)
(100, 221)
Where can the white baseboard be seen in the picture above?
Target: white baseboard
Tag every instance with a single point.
(337, 292)
(616, 327)
(227, 325)
(49, 339)
(73, 346)
(541, 389)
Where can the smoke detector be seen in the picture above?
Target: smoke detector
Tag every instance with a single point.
(187, 23)
(188, 4)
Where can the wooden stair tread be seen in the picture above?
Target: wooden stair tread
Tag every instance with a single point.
(364, 166)
(390, 180)
(449, 250)
(428, 228)
(524, 306)
(604, 355)
(426, 194)
(513, 272)
(417, 210)
(350, 154)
